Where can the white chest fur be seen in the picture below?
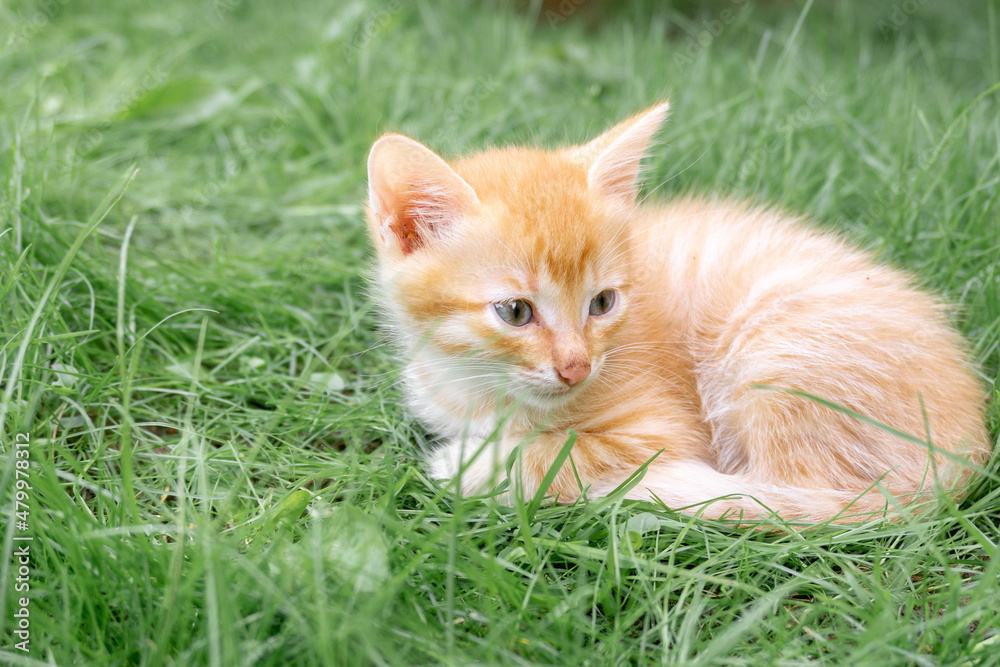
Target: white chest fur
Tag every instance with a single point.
(454, 397)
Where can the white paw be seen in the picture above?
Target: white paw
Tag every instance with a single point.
(479, 465)
(445, 461)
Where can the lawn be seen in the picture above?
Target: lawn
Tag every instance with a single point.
(204, 459)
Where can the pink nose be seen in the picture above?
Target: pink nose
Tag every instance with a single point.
(574, 373)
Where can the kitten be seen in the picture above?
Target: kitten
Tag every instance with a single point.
(535, 297)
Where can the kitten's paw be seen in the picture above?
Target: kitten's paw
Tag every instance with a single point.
(445, 461)
(472, 461)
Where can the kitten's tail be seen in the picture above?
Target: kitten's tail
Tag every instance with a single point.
(693, 487)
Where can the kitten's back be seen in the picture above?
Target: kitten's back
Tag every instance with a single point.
(765, 302)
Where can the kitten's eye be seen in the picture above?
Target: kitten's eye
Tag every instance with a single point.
(516, 312)
(603, 302)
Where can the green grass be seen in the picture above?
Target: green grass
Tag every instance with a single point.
(221, 471)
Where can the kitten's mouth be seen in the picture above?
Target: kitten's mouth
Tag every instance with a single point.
(545, 394)
(553, 392)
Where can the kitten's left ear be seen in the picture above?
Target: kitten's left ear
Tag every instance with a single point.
(614, 157)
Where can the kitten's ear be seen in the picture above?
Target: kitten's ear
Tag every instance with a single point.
(614, 157)
(413, 194)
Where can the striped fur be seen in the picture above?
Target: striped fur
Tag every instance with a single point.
(725, 315)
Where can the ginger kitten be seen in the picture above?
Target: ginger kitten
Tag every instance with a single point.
(534, 296)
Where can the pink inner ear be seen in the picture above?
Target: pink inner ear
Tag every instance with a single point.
(420, 211)
(413, 192)
(615, 171)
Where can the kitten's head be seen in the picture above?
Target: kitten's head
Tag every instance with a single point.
(515, 263)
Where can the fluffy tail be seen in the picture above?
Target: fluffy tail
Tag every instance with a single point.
(694, 487)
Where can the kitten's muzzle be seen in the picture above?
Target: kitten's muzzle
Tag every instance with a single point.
(570, 358)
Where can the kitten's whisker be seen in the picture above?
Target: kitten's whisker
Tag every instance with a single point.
(662, 371)
(629, 353)
(464, 378)
(659, 185)
(629, 247)
(368, 349)
(642, 200)
(672, 347)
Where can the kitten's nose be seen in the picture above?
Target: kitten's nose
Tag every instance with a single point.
(575, 372)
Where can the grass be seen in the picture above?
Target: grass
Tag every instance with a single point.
(221, 472)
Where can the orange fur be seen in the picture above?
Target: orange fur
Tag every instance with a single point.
(717, 303)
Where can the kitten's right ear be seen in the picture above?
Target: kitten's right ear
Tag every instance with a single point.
(413, 194)
(614, 158)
